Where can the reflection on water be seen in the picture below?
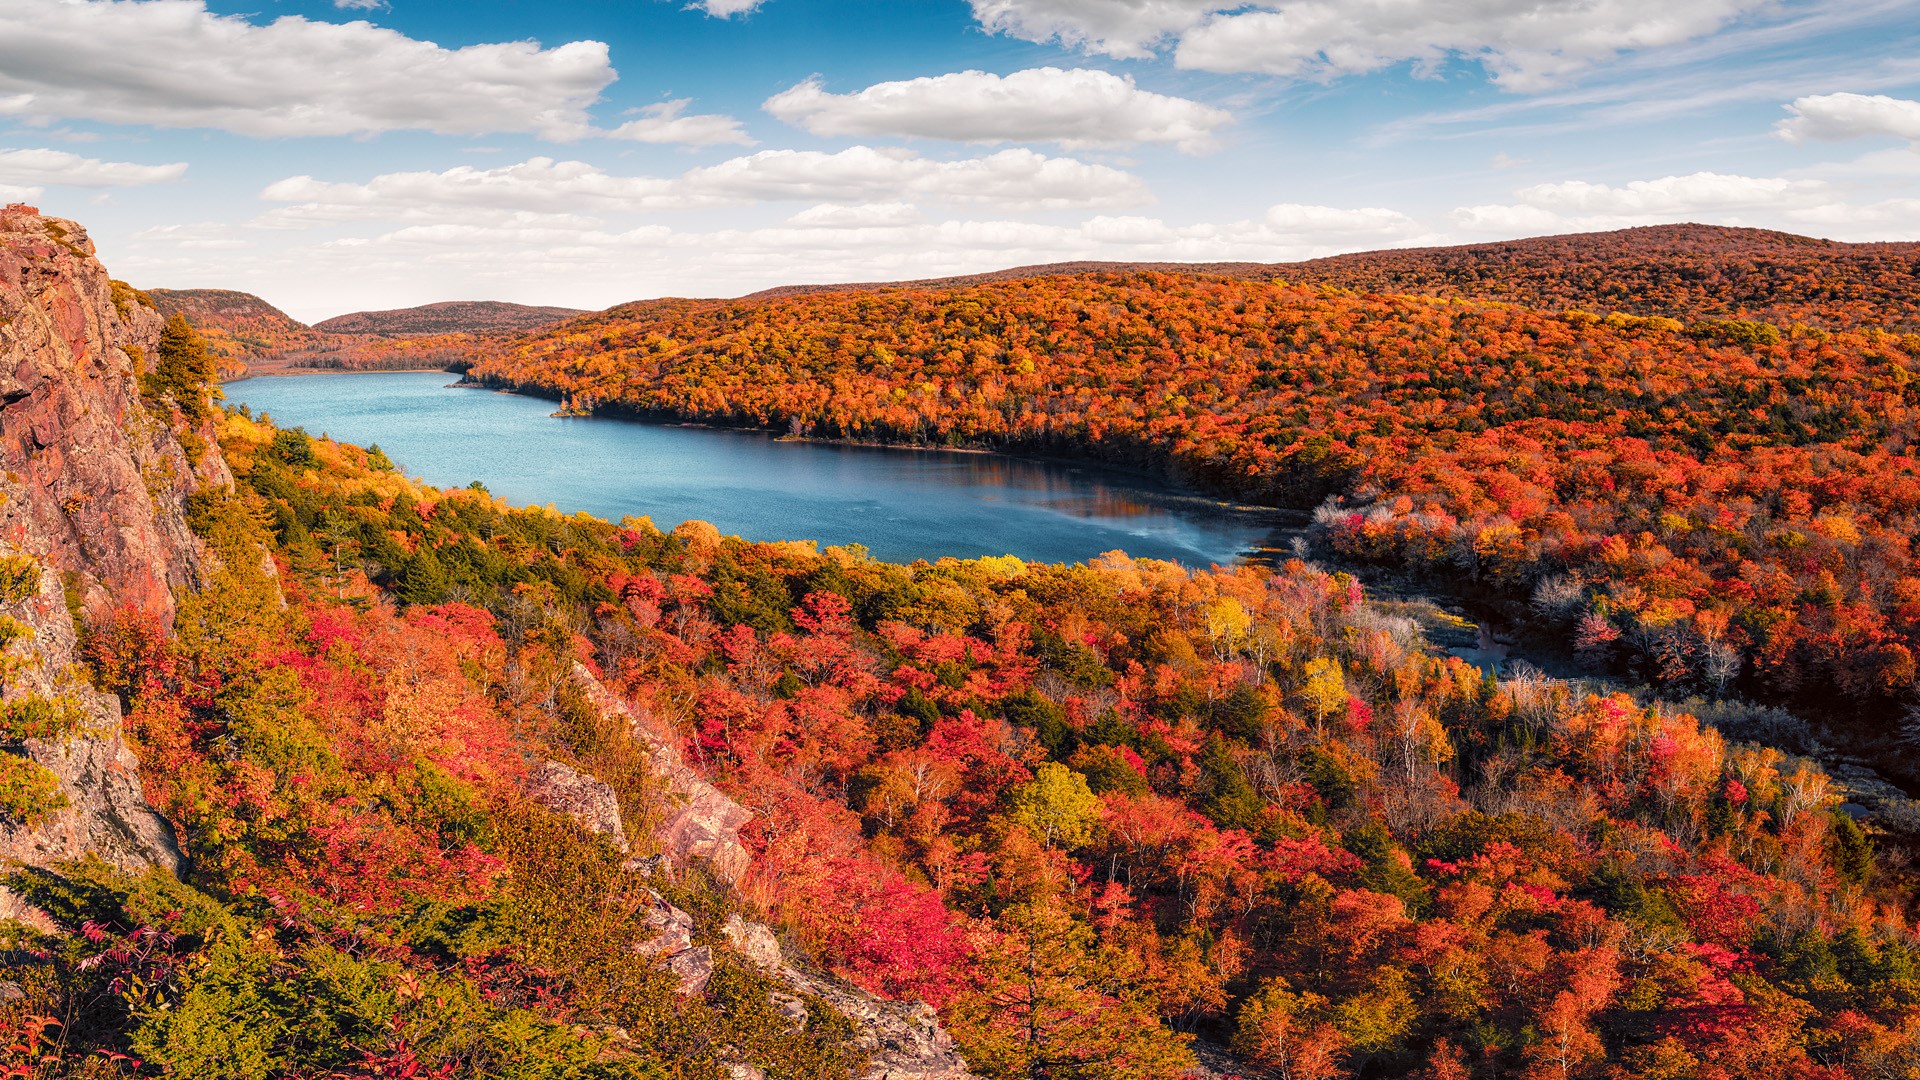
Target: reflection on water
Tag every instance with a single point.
(901, 504)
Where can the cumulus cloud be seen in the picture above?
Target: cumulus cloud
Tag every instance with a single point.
(1018, 179)
(1123, 28)
(100, 60)
(37, 168)
(823, 243)
(1011, 179)
(1582, 205)
(1671, 195)
(1850, 116)
(665, 123)
(726, 9)
(1327, 223)
(198, 236)
(858, 216)
(1076, 108)
(540, 186)
(1524, 44)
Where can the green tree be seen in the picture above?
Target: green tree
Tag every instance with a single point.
(424, 578)
(184, 371)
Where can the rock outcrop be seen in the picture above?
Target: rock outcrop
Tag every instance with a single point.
(591, 804)
(96, 484)
(93, 489)
(698, 823)
(904, 1039)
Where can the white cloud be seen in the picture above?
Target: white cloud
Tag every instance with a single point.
(1327, 223)
(1850, 116)
(42, 167)
(1017, 179)
(11, 194)
(199, 236)
(1524, 44)
(587, 263)
(1701, 191)
(362, 5)
(1077, 108)
(726, 9)
(542, 187)
(1580, 205)
(857, 216)
(664, 123)
(821, 244)
(1124, 28)
(172, 63)
(1505, 221)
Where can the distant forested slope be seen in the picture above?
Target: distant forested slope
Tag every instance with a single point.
(1717, 503)
(451, 317)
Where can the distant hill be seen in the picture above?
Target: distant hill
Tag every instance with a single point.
(249, 335)
(1632, 418)
(1680, 271)
(240, 314)
(451, 317)
(241, 329)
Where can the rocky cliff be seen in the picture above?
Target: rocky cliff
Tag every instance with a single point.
(93, 513)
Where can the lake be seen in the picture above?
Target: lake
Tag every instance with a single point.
(901, 504)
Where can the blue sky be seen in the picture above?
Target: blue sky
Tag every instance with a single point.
(342, 156)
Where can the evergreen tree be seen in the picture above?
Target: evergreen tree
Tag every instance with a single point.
(184, 372)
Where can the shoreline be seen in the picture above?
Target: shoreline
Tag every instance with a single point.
(288, 373)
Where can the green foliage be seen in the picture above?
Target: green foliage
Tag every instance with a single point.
(36, 717)
(184, 372)
(423, 578)
(294, 448)
(28, 790)
(1850, 851)
(1737, 331)
(126, 296)
(19, 578)
(1047, 720)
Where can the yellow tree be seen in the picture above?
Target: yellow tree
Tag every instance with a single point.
(1053, 1003)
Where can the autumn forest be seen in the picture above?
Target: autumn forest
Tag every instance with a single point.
(433, 761)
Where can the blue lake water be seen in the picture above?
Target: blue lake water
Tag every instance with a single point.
(902, 504)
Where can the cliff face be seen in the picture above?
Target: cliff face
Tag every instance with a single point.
(95, 483)
(93, 491)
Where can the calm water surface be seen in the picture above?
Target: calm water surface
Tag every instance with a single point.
(901, 504)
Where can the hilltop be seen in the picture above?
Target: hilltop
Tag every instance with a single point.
(1680, 271)
(450, 317)
(251, 336)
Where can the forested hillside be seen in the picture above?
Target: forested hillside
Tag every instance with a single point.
(1089, 813)
(250, 336)
(1680, 271)
(451, 317)
(1685, 272)
(1715, 505)
(237, 327)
